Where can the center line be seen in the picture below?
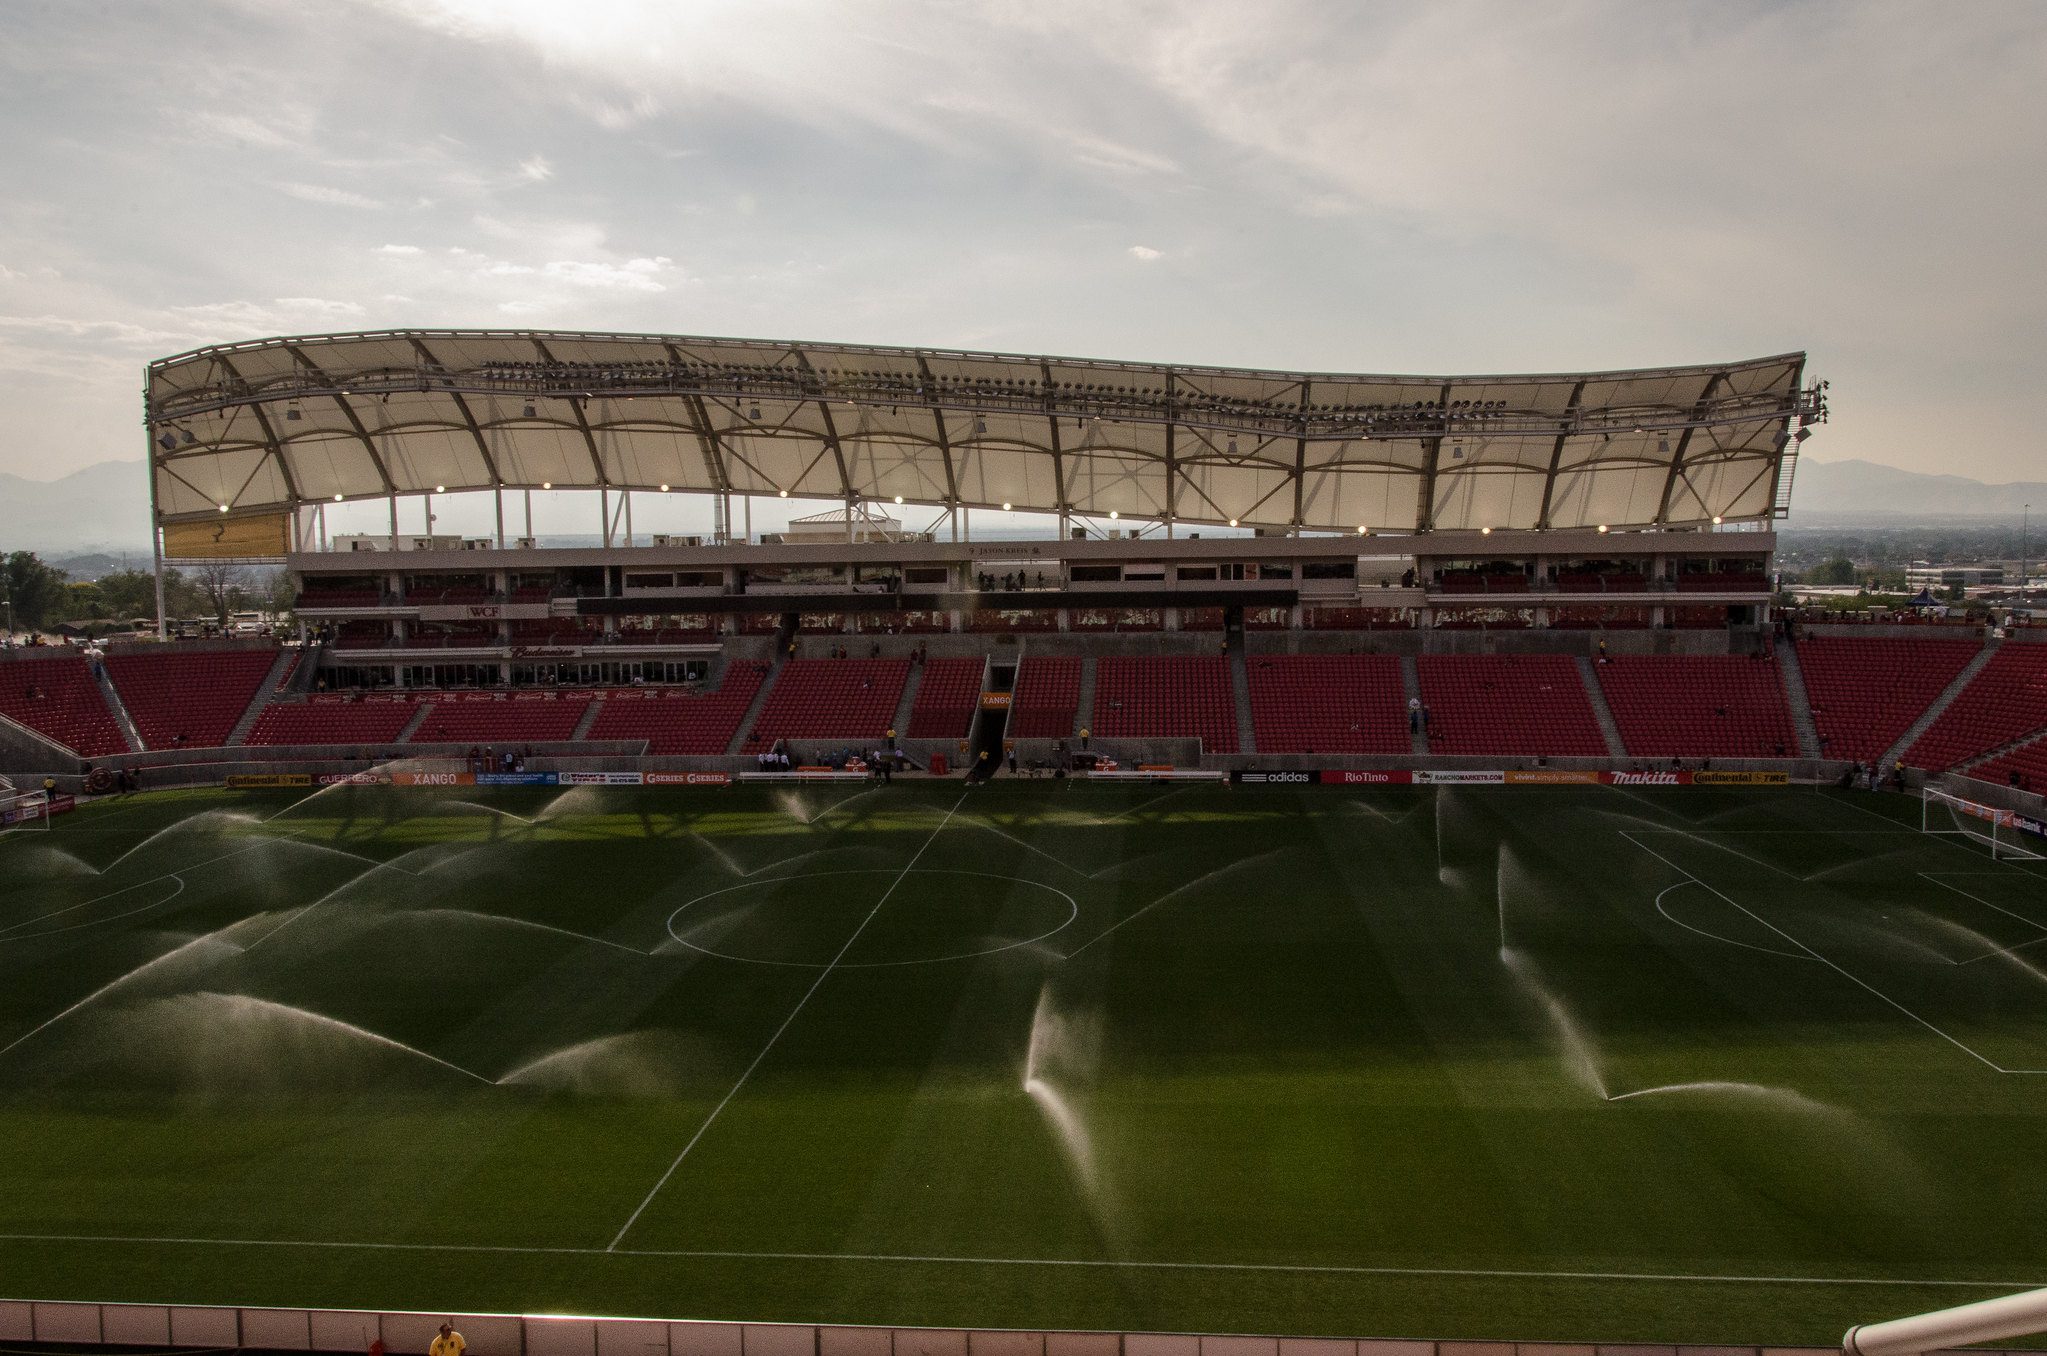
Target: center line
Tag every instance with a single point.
(822, 975)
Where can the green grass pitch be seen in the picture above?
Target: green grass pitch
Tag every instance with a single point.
(1560, 1063)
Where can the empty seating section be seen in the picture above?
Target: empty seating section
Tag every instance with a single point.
(1515, 705)
(2024, 767)
(185, 699)
(2003, 702)
(849, 699)
(1723, 581)
(60, 699)
(682, 723)
(1601, 581)
(1046, 697)
(362, 635)
(947, 697)
(1327, 703)
(332, 723)
(1698, 706)
(1866, 693)
(453, 593)
(513, 720)
(1166, 697)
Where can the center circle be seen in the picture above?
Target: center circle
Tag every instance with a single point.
(781, 920)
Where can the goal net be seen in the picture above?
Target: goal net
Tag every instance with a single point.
(24, 812)
(1942, 812)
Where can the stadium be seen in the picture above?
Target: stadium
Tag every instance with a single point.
(1370, 868)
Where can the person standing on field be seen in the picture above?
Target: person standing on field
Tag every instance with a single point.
(449, 1343)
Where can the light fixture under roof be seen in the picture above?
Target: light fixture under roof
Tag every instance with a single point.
(1005, 506)
(1716, 520)
(980, 426)
(440, 489)
(1602, 527)
(337, 498)
(1112, 515)
(899, 499)
(1485, 532)
(664, 487)
(1233, 522)
(547, 484)
(530, 411)
(223, 508)
(782, 493)
(753, 411)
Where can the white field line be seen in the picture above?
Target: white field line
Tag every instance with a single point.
(1750, 946)
(1296, 1268)
(1851, 978)
(168, 875)
(1202, 879)
(2040, 927)
(815, 984)
(12, 936)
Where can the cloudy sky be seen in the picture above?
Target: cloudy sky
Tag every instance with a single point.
(1440, 187)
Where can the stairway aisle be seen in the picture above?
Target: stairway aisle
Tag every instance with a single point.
(1939, 704)
(1793, 674)
(1611, 732)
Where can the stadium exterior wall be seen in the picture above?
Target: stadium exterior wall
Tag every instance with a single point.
(115, 1326)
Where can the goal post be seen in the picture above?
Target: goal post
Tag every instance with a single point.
(1943, 812)
(24, 812)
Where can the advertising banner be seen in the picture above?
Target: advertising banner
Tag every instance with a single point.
(601, 779)
(1706, 777)
(996, 701)
(1356, 776)
(1286, 778)
(1647, 778)
(433, 779)
(689, 779)
(246, 781)
(1460, 778)
(1553, 777)
(518, 778)
(353, 779)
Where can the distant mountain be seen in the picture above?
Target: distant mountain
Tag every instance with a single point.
(104, 507)
(1866, 490)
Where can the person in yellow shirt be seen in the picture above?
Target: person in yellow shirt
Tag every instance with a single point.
(449, 1343)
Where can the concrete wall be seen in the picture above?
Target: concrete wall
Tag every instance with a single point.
(408, 1334)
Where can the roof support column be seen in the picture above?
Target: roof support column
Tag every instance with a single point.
(1556, 453)
(1301, 461)
(155, 529)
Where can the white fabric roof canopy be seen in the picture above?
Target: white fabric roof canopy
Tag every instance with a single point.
(267, 425)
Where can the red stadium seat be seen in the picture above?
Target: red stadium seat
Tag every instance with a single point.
(1516, 705)
(1316, 703)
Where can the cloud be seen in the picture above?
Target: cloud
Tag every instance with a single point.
(400, 250)
(634, 275)
(535, 169)
(328, 197)
(1145, 254)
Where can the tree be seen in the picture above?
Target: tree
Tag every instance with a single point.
(34, 590)
(221, 584)
(129, 594)
(1839, 570)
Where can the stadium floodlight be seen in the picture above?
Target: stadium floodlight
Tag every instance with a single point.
(440, 489)
(899, 498)
(1802, 434)
(1361, 529)
(664, 489)
(1663, 447)
(980, 426)
(783, 493)
(530, 411)
(291, 412)
(1716, 520)
(223, 508)
(547, 484)
(1005, 507)
(1112, 515)
(1233, 445)
(1233, 522)
(753, 412)
(337, 498)
(1602, 528)
(1485, 532)
(167, 443)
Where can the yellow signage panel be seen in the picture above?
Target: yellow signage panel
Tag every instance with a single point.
(230, 538)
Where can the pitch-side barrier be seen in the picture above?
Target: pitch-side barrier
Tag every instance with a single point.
(1965, 1325)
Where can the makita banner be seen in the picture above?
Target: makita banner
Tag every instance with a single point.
(1646, 778)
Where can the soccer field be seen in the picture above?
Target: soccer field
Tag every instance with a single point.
(1573, 1063)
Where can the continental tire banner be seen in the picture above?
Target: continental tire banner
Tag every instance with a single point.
(1711, 778)
(249, 781)
(257, 536)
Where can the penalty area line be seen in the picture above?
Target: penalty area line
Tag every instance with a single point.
(915, 1259)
